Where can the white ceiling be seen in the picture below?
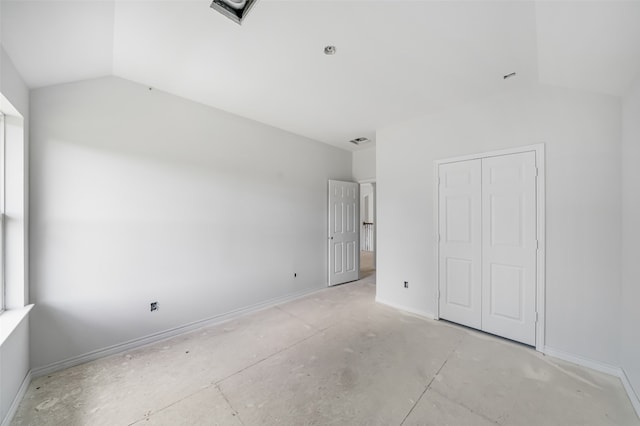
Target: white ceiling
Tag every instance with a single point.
(395, 59)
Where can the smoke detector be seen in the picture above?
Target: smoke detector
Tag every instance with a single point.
(360, 141)
(236, 10)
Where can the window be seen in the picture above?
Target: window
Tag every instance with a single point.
(13, 207)
(2, 233)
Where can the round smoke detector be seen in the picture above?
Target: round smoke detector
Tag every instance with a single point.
(330, 50)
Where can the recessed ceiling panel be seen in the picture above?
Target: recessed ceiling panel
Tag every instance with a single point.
(394, 60)
(391, 63)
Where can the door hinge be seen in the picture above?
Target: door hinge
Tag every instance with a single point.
(438, 180)
(437, 294)
(439, 239)
(535, 171)
(537, 244)
(536, 317)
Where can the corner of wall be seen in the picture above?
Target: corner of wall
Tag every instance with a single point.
(15, 349)
(364, 164)
(630, 280)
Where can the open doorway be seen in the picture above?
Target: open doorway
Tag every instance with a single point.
(367, 229)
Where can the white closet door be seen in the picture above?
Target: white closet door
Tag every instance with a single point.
(460, 242)
(509, 246)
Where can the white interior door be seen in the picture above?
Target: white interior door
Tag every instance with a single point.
(344, 232)
(460, 234)
(487, 244)
(509, 246)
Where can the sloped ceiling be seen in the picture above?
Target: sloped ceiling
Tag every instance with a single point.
(395, 59)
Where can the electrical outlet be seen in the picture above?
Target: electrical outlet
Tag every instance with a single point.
(154, 306)
(406, 284)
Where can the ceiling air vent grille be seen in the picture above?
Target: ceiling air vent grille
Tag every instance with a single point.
(236, 10)
(359, 141)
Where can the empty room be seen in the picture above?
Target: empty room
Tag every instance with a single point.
(310, 212)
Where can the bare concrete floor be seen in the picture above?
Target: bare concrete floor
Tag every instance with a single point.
(335, 357)
(367, 267)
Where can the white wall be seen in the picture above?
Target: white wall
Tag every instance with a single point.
(582, 136)
(14, 365)
(14, 351)
(11, 84)
(141, 196)
(364, 164)
(631, 235)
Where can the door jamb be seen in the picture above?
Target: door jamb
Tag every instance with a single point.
(372, 181)
(539, 150)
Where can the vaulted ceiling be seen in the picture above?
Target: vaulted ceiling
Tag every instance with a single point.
(395, 59)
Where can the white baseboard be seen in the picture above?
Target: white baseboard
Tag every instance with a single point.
(633, 396)
(414, 311)
(601, 367)
(167, 334)
(16, 401)
(582, 361)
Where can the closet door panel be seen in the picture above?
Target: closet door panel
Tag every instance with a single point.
(509, 246)
(460, 242)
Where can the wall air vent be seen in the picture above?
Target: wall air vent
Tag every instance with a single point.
(236, 10)
(359, 141)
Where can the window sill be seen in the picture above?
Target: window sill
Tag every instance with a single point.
(10, 320)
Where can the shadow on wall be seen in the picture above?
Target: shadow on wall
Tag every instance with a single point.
(140, 196)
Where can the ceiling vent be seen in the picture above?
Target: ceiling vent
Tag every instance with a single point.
(359, 141)
(236, 10)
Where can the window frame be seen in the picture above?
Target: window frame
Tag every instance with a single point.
(3, 157)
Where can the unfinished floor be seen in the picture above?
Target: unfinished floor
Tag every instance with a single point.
(335, 357)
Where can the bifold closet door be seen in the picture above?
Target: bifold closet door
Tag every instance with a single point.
(487, 244)
(509, 246)
(460, 229)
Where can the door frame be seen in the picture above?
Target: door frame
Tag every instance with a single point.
(538, 149)
(372, 181)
